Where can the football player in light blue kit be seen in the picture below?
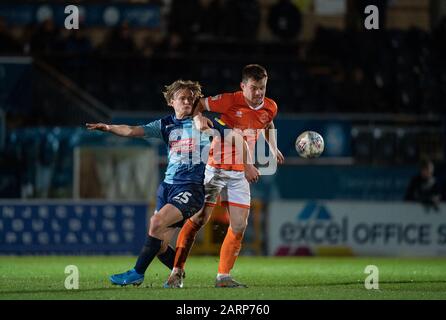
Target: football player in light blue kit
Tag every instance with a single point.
(181, 194)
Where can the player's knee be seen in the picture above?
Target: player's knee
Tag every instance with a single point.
(201, 218)
(156, 224)
(163, 248)
(239, 226)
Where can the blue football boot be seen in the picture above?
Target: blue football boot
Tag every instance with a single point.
(126, 278)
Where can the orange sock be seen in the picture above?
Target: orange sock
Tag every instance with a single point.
(229, 251)
(185, 240)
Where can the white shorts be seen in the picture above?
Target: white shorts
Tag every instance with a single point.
(232, 187)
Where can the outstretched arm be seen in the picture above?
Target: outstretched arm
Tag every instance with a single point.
(270, 137)
(120, 130)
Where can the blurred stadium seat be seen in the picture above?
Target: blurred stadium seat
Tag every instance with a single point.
(362, 144)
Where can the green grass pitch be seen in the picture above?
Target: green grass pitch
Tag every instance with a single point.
(268, 278)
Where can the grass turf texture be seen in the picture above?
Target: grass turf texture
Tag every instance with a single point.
(43, 277)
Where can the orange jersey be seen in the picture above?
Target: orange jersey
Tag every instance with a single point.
(237, 114)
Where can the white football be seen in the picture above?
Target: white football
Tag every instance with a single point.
(309, 144)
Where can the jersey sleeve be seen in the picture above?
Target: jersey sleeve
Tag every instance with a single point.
(153, 130)
(222, 128)
(219, 103)
(218, 128)
(274, 108)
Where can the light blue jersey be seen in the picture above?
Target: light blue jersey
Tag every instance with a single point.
(187, 148)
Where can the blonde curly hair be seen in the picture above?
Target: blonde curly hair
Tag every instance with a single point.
(193, 86)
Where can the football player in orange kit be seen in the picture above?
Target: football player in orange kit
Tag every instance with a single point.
(251, 112)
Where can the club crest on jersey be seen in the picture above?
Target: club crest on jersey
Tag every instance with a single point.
(183, 145)
(217, 97)
(238, 114)
(264, 118)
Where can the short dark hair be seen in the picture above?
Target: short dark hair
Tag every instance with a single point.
(253, 71)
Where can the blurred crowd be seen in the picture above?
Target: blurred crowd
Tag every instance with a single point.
(187, 20)
(349, 70)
